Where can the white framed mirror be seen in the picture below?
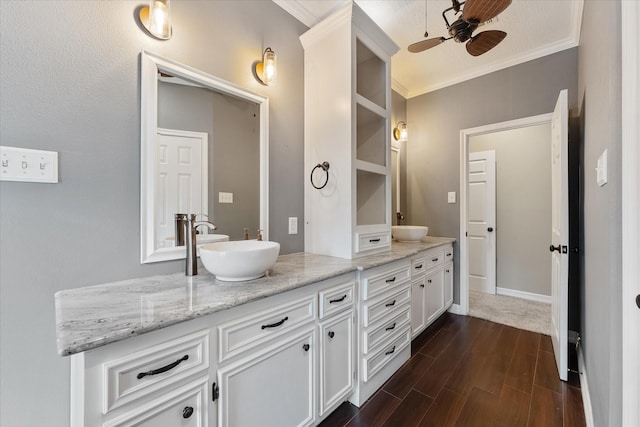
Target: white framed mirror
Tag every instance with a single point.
(204, 150)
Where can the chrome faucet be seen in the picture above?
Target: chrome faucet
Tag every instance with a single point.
(191, 266)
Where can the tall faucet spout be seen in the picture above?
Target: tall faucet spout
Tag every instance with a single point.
(191, 261)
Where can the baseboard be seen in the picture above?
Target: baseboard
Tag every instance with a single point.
(584, 387)
(524, 295)
(455, 309)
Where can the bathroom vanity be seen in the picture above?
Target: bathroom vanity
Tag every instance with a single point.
(283, 350)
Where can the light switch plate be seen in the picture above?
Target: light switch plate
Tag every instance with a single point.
(601, 169)
(451, 197)
(26, 165)
(293, 225)
(225, 197)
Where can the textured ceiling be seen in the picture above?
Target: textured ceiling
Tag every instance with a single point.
(535, 28)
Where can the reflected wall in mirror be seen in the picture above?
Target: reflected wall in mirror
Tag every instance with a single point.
(204, 150)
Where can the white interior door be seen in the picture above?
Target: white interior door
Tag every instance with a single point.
(481, 220)
(181, 180)
(560, 233)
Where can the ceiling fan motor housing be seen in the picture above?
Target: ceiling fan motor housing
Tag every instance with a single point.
(461, 30)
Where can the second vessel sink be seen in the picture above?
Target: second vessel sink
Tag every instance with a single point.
(409, 233)
(239, 260)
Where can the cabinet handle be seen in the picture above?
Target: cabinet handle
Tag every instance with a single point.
(422, 285)
(331, 334)
(418, 267)
(306, 347)
(392, 327)
(374, 240)
(429, 280)
(187, 412)
(434, 260)
(275, 325)
(449, 254)
(164, 368)
(393, 279)
(338, 299)
(390, 351)
(390, 304)
(448, 271)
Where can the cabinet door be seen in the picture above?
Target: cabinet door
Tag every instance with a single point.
(448, 285)
(271, 388)
(336, 360)
(418, 292)
(434, 302)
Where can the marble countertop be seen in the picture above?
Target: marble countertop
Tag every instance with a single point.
(93, 316)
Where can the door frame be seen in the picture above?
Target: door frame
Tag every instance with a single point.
(630, 51)
(465, 136)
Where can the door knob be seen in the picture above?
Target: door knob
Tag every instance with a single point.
(490, 229)
(554, 248)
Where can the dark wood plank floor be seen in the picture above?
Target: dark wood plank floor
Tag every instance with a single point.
(469, 372)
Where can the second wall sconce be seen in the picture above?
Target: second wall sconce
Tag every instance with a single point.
(400, 132)
(266, 70)
(156, 19)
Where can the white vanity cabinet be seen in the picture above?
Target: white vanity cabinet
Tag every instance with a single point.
(347, 124)
(431, 286)
(384, 326)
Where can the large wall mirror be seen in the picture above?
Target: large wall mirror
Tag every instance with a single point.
(204, 151)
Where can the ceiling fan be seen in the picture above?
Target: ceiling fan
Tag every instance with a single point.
(472, 13)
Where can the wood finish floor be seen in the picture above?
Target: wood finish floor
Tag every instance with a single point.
(469, 372)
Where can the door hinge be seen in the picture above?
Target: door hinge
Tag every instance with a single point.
(215, 392)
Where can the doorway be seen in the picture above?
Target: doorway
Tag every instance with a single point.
(522, 248)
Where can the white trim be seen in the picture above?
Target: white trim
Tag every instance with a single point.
(630, 50)
(584, 388)
(150, 63)
(465, 135)
(524, 295)
(399, 88)
(455, 309)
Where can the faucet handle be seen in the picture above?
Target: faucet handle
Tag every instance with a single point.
(246, 234)
(259, 234)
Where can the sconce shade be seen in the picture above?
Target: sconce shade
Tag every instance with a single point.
(400, 132)
(156, 19)
(267, 70)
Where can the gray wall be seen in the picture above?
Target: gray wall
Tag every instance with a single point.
(70, 83)
(436, 118)
(523, 206)
(599, 71)
(399, 113)
(233, 126)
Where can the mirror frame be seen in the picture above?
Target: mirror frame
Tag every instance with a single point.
(150, 63)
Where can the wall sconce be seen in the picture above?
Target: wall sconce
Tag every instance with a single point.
(400, 132)
(266, 70)
(156, 19)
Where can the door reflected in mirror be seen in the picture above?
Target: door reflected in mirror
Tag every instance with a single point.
(204, 151)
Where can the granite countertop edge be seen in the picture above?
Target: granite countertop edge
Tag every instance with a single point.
(92, 316)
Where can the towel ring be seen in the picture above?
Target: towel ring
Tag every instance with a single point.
(325, 167)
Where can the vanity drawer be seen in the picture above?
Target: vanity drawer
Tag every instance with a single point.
(380, 281)
(387, 305)
(251, 331)
(369, 241)
(433, 257)
(135, 375)
(336, 299)
(418, 266)
(448, 253)
(385, 330)
(377, 361)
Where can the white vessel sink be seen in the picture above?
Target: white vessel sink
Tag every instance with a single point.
(239, 260)
(409, 233)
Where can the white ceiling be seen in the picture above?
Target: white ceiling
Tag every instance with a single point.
(535, 28)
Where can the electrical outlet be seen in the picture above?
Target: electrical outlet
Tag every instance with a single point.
(451, 197)
(293, 225)
(225, 197)
(23, 164)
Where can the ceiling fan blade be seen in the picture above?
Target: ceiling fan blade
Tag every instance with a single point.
(482, 10)
(425, 44)
(485, 41)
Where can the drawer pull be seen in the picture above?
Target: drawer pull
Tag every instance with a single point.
(306, 347)
(418, 267)
(393, 279)
(392, 327)
(449, 254)
(448, 271)
(429, 280)
(164, 368)
(390, 351)
(187, 412)
(392, 303)
(422, 285)
(434, 260)
(342, 298)
(275, 325)
(331, 334)
(374, 240)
